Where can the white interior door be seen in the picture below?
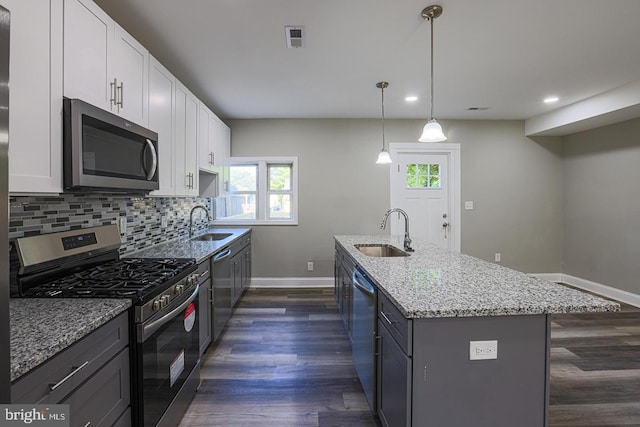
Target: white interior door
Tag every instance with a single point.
(425, 183)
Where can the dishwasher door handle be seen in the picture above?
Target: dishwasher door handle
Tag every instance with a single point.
(360, 282)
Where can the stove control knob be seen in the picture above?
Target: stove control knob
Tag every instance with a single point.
(178, 289)
(193, 278)
(157, 305)
(165, 300)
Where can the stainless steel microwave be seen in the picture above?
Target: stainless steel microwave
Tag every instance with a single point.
(107, 153)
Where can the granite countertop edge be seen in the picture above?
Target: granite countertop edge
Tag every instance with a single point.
(435, 283)
(43, 327)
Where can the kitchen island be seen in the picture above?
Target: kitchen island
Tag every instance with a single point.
(460, 341)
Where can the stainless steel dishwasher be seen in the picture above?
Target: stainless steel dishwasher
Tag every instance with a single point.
(364, 334)
(222, 287)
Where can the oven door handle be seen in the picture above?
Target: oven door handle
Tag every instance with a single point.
(149, 329)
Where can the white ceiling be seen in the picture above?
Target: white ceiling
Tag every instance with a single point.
(503, 54)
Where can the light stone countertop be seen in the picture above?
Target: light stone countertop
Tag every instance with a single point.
(42, 327)
(185, 248)
(432, 282)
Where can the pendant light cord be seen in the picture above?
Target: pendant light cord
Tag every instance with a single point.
(382, 118)
(431, 19)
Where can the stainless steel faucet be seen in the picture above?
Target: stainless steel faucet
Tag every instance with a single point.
(407, 240)
(191, 218)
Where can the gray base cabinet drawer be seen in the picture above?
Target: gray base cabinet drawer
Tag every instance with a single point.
(399, 326)
(104, 397)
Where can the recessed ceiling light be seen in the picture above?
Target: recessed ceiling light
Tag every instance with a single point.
(551, 99)
(411, 98)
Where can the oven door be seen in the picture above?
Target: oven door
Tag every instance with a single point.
(168, 350)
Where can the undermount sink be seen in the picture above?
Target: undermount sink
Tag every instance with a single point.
(210, 237)
(375, 250)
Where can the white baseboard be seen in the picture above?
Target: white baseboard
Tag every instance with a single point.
(292, 282)
(597, 288)
(551, 277)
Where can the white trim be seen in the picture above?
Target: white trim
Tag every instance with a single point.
(604, 290)
(453, 151)
(550, 277)
(292, 282)
(597, 288)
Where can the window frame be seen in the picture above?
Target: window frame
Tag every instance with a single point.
(263, 191)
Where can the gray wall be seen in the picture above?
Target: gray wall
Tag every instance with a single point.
(514, 182)
(602, 205)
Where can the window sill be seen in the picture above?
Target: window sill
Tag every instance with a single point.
(254, 222)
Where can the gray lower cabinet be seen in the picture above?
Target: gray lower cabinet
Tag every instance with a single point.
(393, 380)
(344, 267)
(205, 303)
(92, 376)
(240, 267)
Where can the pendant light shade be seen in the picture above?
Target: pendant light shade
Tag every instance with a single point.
(383, 158)
(432, 131)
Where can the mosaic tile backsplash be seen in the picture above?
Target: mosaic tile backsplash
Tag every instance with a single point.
(30, 216)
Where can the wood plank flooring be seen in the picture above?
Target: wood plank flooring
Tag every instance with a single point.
(285, 360)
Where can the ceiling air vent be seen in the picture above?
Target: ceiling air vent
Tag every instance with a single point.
(295, 36)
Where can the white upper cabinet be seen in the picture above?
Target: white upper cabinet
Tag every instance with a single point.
(186, 140)
(205, 151)
(35, 122)
(162, 90)
(103, 65)
(214, 147)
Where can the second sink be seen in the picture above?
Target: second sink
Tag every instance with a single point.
(209, 237)
(381, 250)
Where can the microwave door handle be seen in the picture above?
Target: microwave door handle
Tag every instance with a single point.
(154, 160)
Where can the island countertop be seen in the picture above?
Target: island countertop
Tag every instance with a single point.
(433, 282)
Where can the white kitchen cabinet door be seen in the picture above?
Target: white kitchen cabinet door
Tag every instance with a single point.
(103, 64)
(35, 147)
(221, 146)
(186, 123)
(162, 91)
(205, 152)
(88, 36)
(130, 70)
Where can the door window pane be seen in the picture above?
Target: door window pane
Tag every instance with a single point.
(423, 176)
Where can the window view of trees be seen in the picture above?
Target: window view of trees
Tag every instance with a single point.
(423, 176)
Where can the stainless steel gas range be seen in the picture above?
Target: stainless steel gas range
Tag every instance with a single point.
(163, 320)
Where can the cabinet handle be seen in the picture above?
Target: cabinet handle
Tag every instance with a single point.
(87, 424)
(121, 91)
(52, 387)
(113, 85)
(389, 321)
(378, 341)
(211, 159)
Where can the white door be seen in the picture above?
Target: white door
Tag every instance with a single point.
(425, 184)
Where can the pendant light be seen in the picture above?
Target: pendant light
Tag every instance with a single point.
(432, 131)
(383, 157)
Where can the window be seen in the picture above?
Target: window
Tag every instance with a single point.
(261, 191)
(423, 176)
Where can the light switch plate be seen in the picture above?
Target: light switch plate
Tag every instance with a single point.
(122, 224)
(483, 350)
(164, 221)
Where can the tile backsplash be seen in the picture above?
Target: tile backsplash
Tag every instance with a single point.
(32, 215)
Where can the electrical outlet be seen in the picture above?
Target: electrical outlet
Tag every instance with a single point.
(483, 350)
(498, 257)
(310, 266)
(122, 224)
(468, 205)
(164, 221)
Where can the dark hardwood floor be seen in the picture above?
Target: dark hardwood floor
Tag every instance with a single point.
(285, 360)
